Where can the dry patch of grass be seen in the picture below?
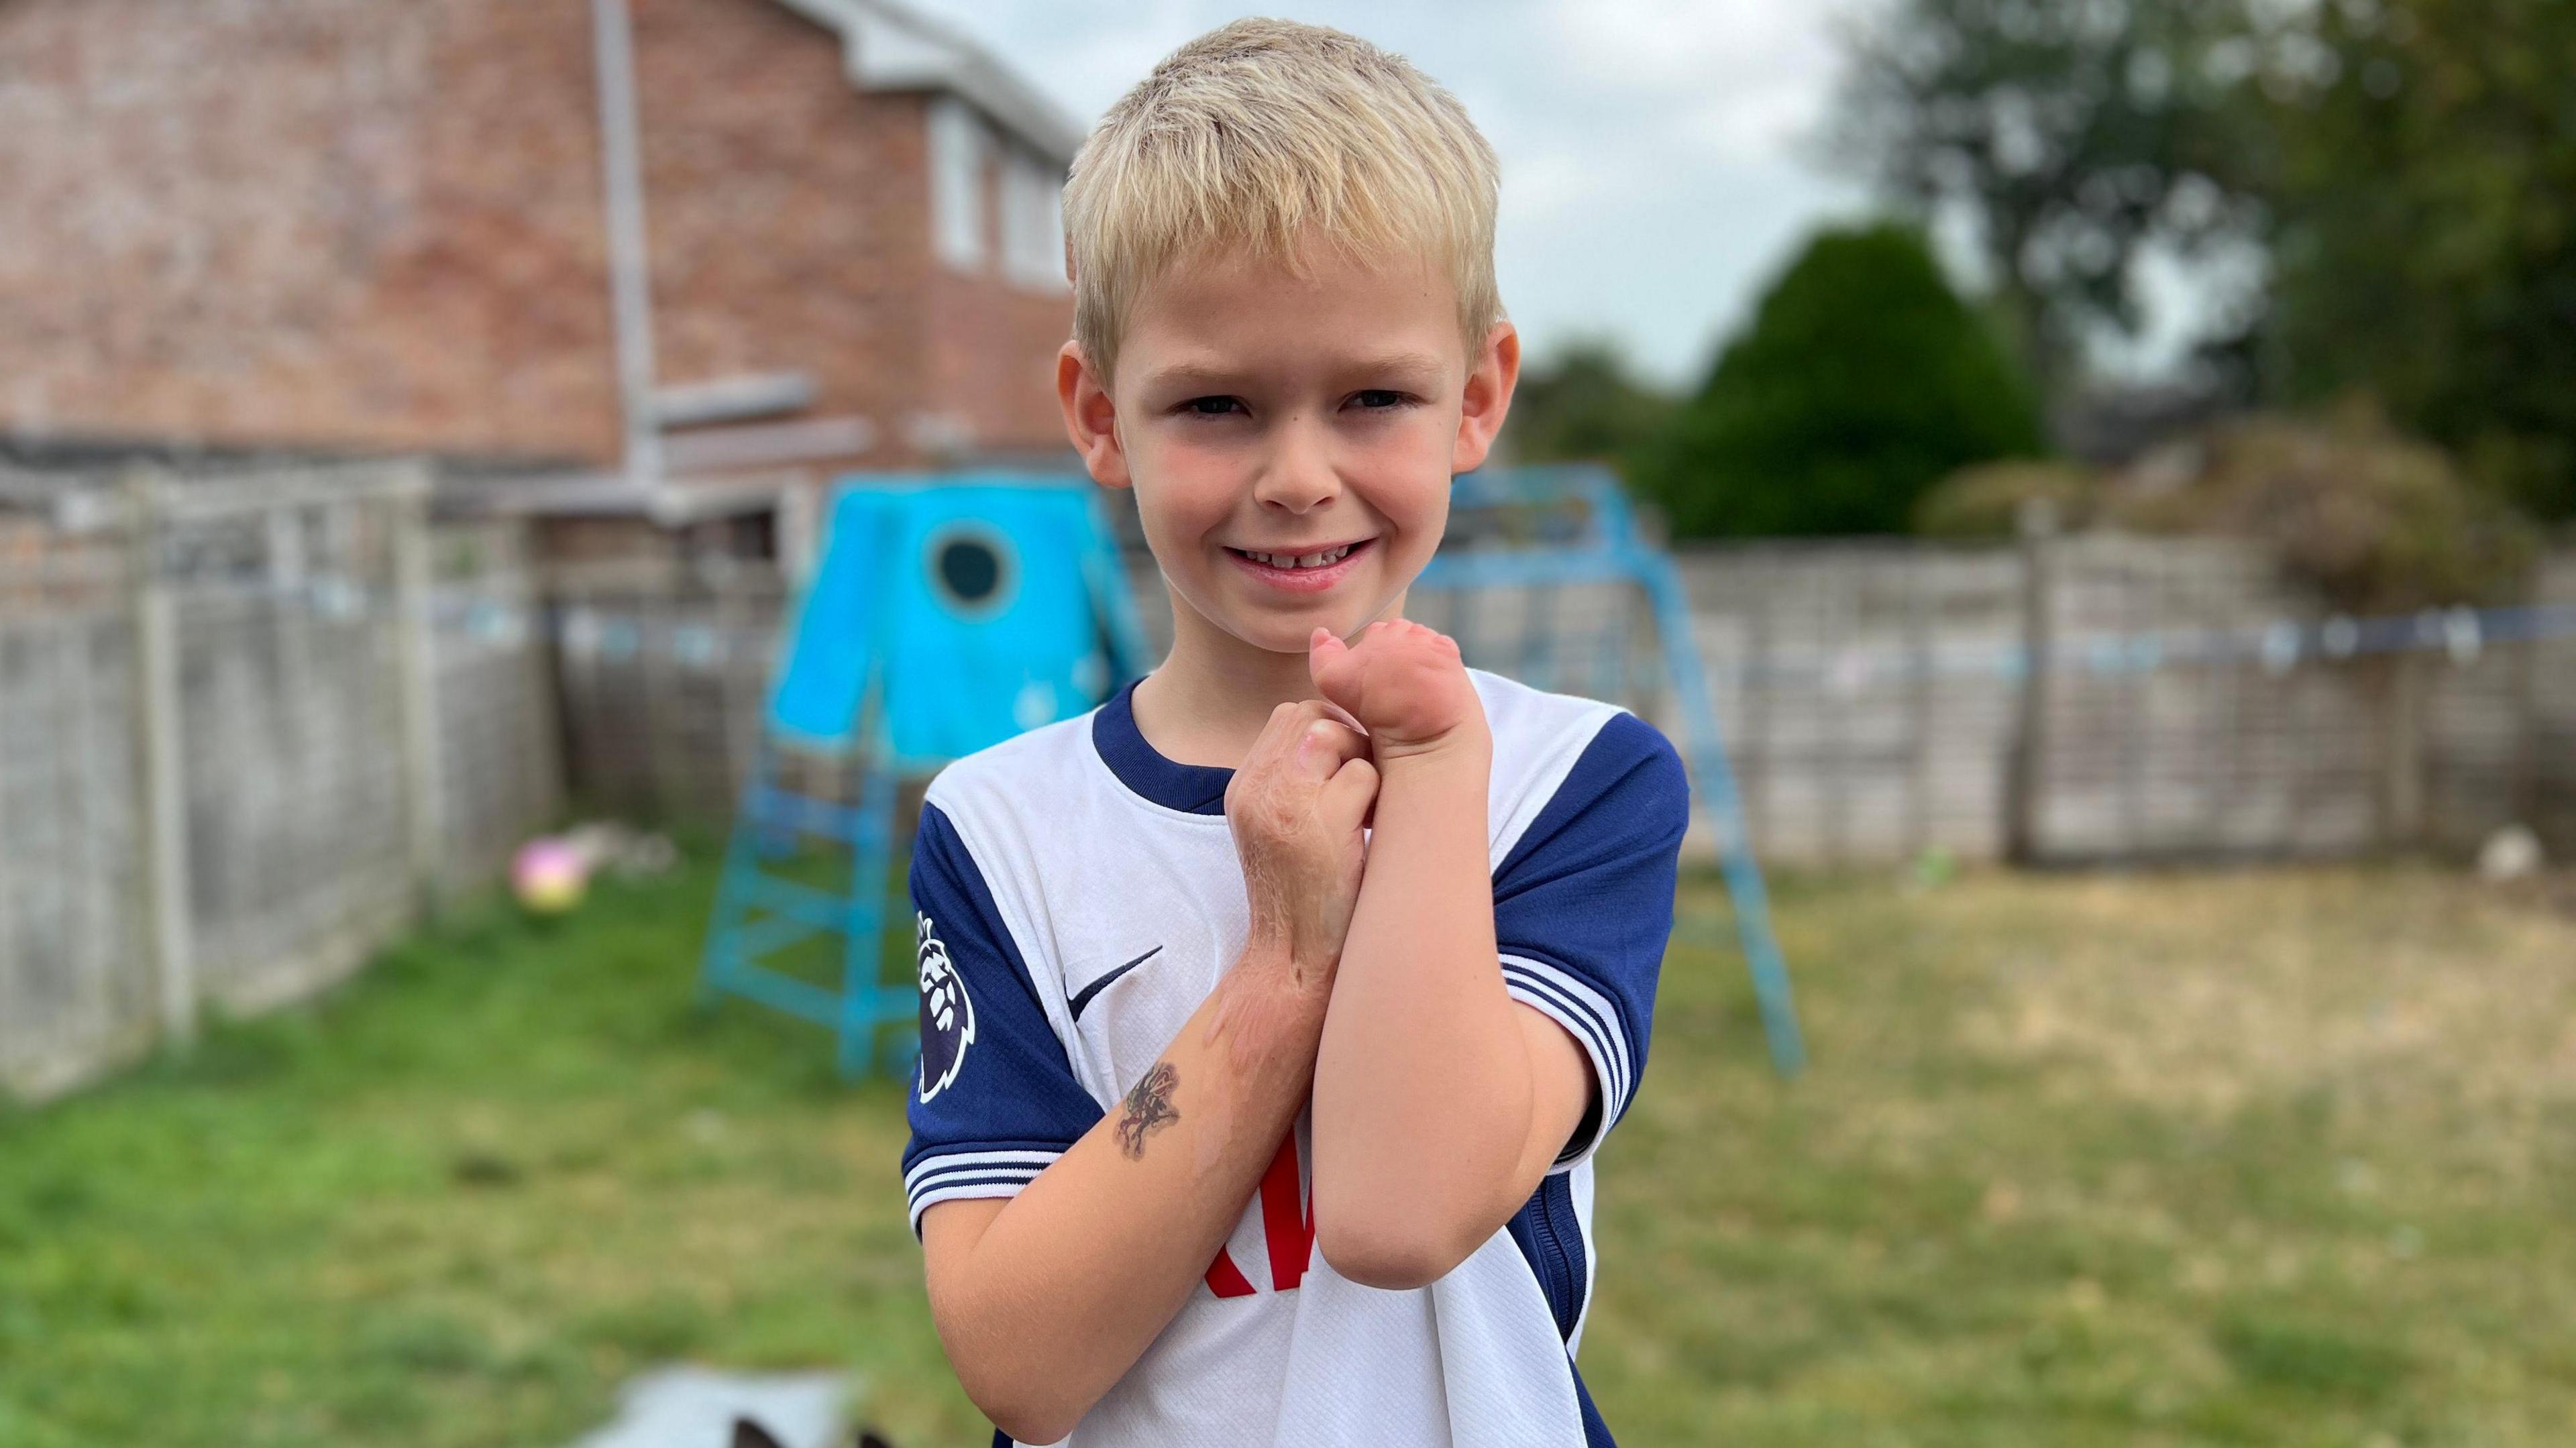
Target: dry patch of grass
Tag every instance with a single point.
(2161, 1159)
(2407, 986)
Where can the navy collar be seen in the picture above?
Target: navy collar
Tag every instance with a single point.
(1189, 788)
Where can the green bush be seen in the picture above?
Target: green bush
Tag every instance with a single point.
(1863, 381)
(1583, 404)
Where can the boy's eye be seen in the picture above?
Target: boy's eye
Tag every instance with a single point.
(1378, 399)
(1211, 406)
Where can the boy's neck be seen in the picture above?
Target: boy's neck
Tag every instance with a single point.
(1212, 695)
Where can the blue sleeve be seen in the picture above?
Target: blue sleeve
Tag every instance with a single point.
(1583, 907)
(996, 1099)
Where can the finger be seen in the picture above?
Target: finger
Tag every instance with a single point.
(1277, 738)
(1336, 670)
(1347, 797)
(1336, 711)
(1323, 651)
(1308, 736)
(1284, 722)
(1327, 744)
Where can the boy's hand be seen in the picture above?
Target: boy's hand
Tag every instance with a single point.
(1296, 807)
(1404, 682)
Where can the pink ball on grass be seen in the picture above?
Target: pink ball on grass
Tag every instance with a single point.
(548, 875)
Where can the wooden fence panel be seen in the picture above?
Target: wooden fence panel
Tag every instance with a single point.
(292, 824)
(1870, 696)
(71, 892)
(298, 858)
(501, 757)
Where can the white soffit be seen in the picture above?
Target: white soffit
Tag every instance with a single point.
(885, 47)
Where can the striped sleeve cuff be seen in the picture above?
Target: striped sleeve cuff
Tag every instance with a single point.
(1593, 1021)
(956, 1175)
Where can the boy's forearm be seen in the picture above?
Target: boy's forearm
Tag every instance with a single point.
(1423, 1089)
(1068, 1283)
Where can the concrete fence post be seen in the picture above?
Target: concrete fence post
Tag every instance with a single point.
(2026, 799)
(160, 763)
(2407, 685)
(416, 654)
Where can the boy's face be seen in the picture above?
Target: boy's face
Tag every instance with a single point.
(1261, 415)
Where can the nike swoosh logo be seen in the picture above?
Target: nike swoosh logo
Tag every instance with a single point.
(1083, 997)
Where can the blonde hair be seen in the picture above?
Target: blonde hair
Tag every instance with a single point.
(1260, 134)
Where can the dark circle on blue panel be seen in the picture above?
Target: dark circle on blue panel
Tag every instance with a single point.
(973, 569)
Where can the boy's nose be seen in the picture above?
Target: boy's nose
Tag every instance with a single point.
(1297, 477)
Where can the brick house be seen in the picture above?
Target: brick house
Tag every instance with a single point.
(361, 226)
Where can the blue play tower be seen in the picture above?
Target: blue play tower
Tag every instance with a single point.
(943, 615)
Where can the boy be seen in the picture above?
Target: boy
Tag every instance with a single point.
(1272, 1011)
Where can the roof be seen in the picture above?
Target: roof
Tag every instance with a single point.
(888, 48)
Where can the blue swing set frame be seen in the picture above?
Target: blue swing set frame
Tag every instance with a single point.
(1596, 540)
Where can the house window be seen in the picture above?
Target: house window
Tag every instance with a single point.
(1033, 221)
(957, 151)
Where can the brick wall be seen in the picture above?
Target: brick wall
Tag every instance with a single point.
(788, 211)
(323, 223)
(791, 228)
(993, 350)
(376, 224)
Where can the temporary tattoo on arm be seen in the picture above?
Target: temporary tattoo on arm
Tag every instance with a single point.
(1149, 1106)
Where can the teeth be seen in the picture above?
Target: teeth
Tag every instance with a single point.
(1293, 560)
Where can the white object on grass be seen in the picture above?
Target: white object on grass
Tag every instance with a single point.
(694, 1407)
(2511, 853)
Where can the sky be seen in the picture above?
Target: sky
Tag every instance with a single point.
(1658, 156)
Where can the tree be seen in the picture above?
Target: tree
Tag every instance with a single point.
(1862, 381)
(1583, 405)
(2404, 169)
(2072, 134)
(2423, 238)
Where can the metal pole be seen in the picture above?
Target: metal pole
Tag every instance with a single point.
(629, 261)
(1716, 783)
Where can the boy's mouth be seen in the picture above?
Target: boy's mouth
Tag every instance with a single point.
(1311, 571)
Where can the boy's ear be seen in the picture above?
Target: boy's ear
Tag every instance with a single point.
(1491, 376)
(1090, 418)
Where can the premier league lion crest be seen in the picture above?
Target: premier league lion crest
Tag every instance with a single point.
(947, 1016)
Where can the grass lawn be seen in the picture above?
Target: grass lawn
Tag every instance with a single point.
(2282, 1158)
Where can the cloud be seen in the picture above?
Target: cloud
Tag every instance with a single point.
(1740, 81)
(1554, 182)
(1653, 175)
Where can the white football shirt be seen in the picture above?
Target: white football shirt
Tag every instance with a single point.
(1077, 895)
